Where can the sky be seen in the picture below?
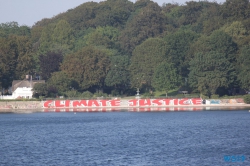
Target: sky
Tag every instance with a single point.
(28, 12)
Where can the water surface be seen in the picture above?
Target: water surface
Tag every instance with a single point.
(124, 138)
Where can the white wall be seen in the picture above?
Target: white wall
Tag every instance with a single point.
(23, 92)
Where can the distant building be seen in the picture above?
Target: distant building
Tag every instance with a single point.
(22, 88)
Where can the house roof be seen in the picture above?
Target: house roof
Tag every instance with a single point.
(25, 83)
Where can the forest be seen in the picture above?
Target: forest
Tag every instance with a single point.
(116, 46)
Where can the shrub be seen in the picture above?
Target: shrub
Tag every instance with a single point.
(215, 96)
(87, 94)
(115, 93)
(148, 95)
(247, 99)
(100, 94)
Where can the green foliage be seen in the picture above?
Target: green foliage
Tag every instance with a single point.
(146, 57)
(235, 9)
(115, 92)
(146, 24)
(210, 71)
(237, 31)
(165, 77)
(247, 99)
(148, 95)
(16, 59)
(173, 13)
(61, 82)
(87, 67)
(46, 39)
(218, 41)
(118, 75)
(102, 36)
(100, 95)
(50, 63)
(40, 89)
(63, 34)
(178, 45)
(56, 37)
(87, 95)
(223, 43)
(192, 11)
(72, 93)
(117, 45)
(113, 13)
(243, 67)
(12, 28)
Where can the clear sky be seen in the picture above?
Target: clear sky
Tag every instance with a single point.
(28, 12)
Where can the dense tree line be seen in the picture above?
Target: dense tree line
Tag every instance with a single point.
(116, 46)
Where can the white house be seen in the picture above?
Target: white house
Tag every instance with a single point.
(22, 89)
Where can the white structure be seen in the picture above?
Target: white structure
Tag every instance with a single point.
(22, 92)
(22, 89)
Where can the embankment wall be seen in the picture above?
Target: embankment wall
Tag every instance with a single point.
(118, 103)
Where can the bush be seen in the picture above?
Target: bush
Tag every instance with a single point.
(215, 96)
(148, 95)
(247, 99)
(115, 93)
(87, 95)
(100, 94)
(72, 93)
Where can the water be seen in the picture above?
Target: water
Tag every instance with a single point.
(124, 138)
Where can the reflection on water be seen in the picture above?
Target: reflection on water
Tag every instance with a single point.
(124, 138)
(143, 109)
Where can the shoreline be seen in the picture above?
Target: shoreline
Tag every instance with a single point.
(131, 108)
(115, 105)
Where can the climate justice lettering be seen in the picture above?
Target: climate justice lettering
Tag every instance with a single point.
(120, 103)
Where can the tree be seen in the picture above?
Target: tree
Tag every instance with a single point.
(165, 77)
(146, 57)
(25, 61)
(178, 45)
(221, 42)
(235, 9)
(46, 39)
(102, 36)
(16, 58)
(209, 71)
(12, 28)
(243, 62)
(147, 23)
(218, 41)
(88, 67)
(118, 75)
(192, 11)
(40, 89)
(8, 60)
(63, 35)
(113, 13)
(50, 63)
(237, 31)
(25, 66)
(82, 17)
(61, 81)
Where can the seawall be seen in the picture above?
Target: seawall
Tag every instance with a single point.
(190, 104)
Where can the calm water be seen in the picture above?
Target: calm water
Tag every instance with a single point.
(124, 138)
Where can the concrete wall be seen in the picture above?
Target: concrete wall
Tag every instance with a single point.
(123, 103)
(21, 105)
